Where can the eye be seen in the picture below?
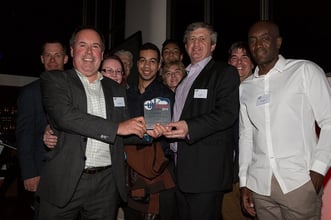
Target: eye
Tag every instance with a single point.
(192, 39)
(153, 61)
(96, 46)
(47, 55)
(57, 56)
(202, 38)
(166, 52)
(141, 60)
(234, 59)
(251, 41)
(266, 38)
(245, 58)
(82, 45)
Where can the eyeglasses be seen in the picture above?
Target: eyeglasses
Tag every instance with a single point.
(112, 72)
(175, 73)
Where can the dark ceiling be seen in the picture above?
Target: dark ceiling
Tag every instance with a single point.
(305, 27)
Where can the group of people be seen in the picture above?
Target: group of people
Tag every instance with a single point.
(241, 143)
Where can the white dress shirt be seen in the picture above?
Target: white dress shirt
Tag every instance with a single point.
(277, 126)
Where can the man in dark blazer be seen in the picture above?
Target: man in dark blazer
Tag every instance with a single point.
(84, 173)
(206, 108)
(31, 119)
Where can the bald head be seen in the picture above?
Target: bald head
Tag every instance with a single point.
(264, 43)
(269, 26)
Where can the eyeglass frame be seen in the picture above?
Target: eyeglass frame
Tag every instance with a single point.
(113, 72)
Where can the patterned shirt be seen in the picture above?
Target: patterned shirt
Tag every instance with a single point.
(97, 152)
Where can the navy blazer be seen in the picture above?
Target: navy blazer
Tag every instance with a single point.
(30, 125)
(65, 102)
(205, 158)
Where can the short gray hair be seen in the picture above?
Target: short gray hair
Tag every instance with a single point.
(196, 25)
(125, 52)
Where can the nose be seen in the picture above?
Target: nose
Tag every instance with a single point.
(147, 63)
(258, 43)
(195, 42)
(88, 49)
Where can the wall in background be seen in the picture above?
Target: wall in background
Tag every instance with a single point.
(149, 17)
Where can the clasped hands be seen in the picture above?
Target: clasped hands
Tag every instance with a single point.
(136, 126)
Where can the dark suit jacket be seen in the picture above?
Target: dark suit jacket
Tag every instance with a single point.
(65, 102)
(30, 126)
(205, 158)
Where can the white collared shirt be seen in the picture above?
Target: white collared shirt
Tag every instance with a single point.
(277, 126)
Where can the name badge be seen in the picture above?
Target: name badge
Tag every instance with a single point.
(200, 93)
(119, 101)
(263, 99)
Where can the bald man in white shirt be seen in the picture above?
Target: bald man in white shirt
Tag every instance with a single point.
(282, 162)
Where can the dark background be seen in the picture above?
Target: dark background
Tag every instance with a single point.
(305, 26)
(24, 27)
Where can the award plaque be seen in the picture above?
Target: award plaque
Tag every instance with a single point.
(157, 110)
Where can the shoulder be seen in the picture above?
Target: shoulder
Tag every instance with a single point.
(113, 86)
(306, 67)
(56, 74)
(223, 71)
(31, 86)
(133, 89)
(161, 89)
(225, 67)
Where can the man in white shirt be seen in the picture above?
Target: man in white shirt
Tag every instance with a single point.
(282, 162)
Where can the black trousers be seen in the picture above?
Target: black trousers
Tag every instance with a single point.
(197, 206)
(96, 198)
(167, 208)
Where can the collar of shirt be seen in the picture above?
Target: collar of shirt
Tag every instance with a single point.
(198, 66)
(154, 84)
(278, 68)
(84, 79)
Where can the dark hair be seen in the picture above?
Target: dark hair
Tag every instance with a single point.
(86, 27)
(53, 41)
(114, 57)
(239, 45)
(273, 25)
(151, 46)
(172, 41)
